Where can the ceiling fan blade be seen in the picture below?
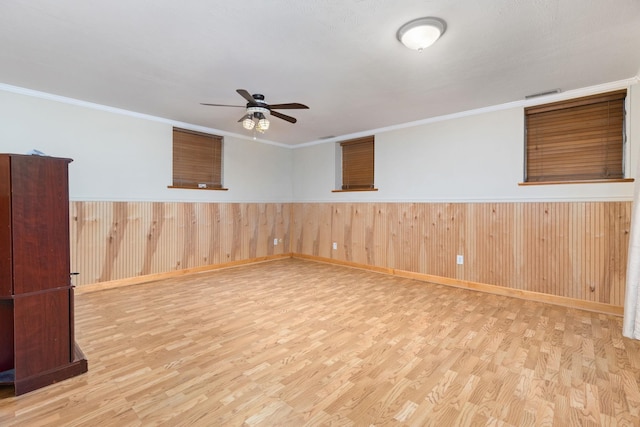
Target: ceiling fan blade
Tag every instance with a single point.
(283, 116)
(246, 95)
(221, 105)
(289, 106)
(246, 116)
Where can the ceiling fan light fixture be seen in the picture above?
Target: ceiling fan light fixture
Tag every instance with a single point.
(263, 124)
(248, 123)
(421, 33)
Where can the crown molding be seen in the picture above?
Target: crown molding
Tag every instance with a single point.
(79, 103)
(591, 90)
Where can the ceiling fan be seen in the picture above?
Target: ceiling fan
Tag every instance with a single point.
(257, 108)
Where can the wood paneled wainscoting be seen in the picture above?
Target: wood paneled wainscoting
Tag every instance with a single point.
(567, 251)
(571, 250)
(132, 240)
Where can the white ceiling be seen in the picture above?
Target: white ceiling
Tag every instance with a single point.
(341, 58)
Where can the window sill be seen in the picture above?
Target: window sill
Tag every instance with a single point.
(587, 181)
(354, 189)
(185, 187)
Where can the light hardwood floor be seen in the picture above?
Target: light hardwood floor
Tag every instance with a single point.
(293, 342)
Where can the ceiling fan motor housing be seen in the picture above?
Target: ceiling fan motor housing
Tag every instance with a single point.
(261, 107)
(252, 109)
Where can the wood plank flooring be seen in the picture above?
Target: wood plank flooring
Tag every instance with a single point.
(293, 343)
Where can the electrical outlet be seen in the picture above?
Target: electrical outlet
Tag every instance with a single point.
(275, 242)
(460, 260)
(335, 246)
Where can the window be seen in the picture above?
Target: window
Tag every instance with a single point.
(580, 139)
(357, 164)
(197, 160)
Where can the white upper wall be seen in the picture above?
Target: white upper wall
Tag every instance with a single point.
(473, 158)
(469, 158)
(120, 157)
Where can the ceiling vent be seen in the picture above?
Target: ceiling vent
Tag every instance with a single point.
(549, 92)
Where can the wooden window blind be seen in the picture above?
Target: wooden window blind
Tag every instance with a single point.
(357, 163)
(197, 159)
(575, 140)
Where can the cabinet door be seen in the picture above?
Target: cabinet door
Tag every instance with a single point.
(6, 273)
(42, 340)
(40, 210)
(6, 335)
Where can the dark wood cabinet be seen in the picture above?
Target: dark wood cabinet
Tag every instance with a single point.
(37, 345)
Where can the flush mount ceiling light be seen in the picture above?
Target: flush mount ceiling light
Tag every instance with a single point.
(421, 33)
